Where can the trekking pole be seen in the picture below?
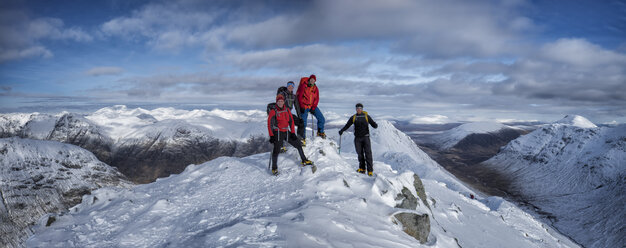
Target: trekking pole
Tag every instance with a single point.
(312, 127)
(340, 144)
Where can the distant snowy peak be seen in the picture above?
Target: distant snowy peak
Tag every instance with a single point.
(121, 122)
(450, 138)
(170, 130)
(480, 127)
(576, 120)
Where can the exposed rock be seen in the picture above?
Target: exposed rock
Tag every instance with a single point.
(419, 188)
(409, 201)
(416, 225)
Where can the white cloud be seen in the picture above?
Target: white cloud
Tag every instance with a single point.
(168, 27)
(579, 52)
(104, 70)
(448, 28)
(20, 53)
(22, 37)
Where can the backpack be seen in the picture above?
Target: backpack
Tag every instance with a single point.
(354, 117)
(283, 91)
(270, 107)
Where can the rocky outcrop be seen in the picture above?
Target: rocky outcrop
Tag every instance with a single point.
(415, 224)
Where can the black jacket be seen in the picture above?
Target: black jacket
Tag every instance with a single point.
(361, 128)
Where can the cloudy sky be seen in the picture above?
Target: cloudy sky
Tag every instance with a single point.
(432, 61)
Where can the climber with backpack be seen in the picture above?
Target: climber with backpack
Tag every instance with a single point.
(362, 143)
(279, 123)
(308, 98)
(291, 101)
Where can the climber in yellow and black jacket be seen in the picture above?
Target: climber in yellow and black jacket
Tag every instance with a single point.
(362, 144)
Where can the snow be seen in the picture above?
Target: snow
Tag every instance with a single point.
(235, 202)
(37, 177)
(121, 123)
(449, 138)
(575, 172)
(577, 121)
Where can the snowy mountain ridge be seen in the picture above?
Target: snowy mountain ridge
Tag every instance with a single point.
(160, 141)
(450, 138)
(38, 177)
(575, 172)
(577, 121)
(236, 202)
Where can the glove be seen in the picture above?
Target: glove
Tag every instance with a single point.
(340, 132)
(272, 139)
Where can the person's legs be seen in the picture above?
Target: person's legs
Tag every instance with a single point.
(320, 119)
(368, 154)
(300, 126)
(358, 145)
(304, 115)
(277, 145)
(295, 142)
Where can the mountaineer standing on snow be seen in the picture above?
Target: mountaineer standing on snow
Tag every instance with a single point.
(291, 102)
(362, 143)
(308, 97)
(279, 122)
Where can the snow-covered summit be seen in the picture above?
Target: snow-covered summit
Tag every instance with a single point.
(236, 202)
(450, 138)
(576, 120)
(574, 173)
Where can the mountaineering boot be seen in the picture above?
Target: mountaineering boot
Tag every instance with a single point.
(359, 170)
(274, 172)
(370, 173)
(307, 162)
(283, 149)
(321, 134)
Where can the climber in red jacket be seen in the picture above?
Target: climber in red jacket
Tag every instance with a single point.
(280, 127)
(308, 98)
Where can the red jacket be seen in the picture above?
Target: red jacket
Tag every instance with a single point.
(280, 119)
(308, 97)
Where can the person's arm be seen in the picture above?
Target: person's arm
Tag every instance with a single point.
(293, 128)
(371, 121)
(296, 104)
(316, 98)
(300, 93)
(269, 123)
(348, 124)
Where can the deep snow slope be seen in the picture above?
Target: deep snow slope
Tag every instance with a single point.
(576, 173)
(236, 202)
(38, 177)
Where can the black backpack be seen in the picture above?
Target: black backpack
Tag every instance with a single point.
(270, 107)
(285, 92)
